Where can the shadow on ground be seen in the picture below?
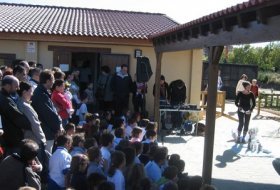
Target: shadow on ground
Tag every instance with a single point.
(261, 117)
(223, 184)
(174, 139)
(229, 155)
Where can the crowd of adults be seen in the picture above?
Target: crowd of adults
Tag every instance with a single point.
(49, 139)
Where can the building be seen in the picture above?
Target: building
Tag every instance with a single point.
(67, 37)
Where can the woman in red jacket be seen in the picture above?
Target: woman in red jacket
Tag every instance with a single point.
(62, 104)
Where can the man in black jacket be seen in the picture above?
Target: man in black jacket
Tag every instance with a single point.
(43, 105)
(121, 85)
(14, 122)
(177, 96)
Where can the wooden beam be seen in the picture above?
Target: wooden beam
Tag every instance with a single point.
(195, 32)
(261, 16)
(241, 21)
(157, 88)
(79, 49)
(214, 57)
(255, 33)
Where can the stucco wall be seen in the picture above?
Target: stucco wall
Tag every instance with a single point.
(185, 65)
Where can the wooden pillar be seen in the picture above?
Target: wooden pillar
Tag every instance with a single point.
(157, 87)
(214, 57)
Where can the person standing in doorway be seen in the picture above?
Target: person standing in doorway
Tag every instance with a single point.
(245, 101)
(104, 93)
(121, 85)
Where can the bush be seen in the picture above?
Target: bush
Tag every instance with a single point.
(269, 78)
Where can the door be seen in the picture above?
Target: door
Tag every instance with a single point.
(62, 59)
(114, 61)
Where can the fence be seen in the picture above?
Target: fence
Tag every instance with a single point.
(268, 100)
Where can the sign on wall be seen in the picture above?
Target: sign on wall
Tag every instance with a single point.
(31, 47)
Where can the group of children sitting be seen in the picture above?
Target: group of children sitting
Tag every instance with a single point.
(116, 153)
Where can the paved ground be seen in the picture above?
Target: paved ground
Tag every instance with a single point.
(230, 170)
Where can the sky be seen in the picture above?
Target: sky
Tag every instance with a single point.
(181, 11)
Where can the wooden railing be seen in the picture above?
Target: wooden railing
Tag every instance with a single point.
(221, 97)
(268, 100)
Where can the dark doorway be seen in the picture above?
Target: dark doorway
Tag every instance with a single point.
(88, 64)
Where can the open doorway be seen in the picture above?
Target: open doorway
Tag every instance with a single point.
(88, 64)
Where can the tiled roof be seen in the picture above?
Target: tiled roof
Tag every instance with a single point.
(223, 13)
(39, 19)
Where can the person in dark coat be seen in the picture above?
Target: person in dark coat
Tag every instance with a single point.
(104, 88)
(177, 96)
(121, 85)
(14, 121)
(177, 92)
(41, 102)
(19, 170)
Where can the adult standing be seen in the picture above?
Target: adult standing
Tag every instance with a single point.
(121, 85)
(14, 121)
(20, 73)
(34, 77)
(164, 89)
(62, 104)
(41, 102)
(177, 96)
(104, 93)
(17, 170)
(239, 86)
(36, 133)
(245, 101)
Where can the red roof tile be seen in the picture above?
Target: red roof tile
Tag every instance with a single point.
(39, 19)
(225, 12)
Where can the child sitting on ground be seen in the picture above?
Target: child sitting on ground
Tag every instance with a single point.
(59, 163)
(82, 109)
(128, 128)
(138, 146)
(91, 127)
(119, 135)
(151, 137)
(95, 157)
(70, 129)
(77, 173)
(78, 145)
(136, 135)
(115, 174)
(106, 141)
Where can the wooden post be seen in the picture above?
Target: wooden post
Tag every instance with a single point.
(214, 57)
(157, 88)
(259, 104)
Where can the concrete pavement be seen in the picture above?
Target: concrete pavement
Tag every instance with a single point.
(232, 171)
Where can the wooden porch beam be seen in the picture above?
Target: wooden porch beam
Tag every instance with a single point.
(214, 57)
(157, 87)
(255, 33)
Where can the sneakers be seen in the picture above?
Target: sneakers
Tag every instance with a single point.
(243, 141)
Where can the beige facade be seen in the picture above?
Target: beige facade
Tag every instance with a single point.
(185, 65)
